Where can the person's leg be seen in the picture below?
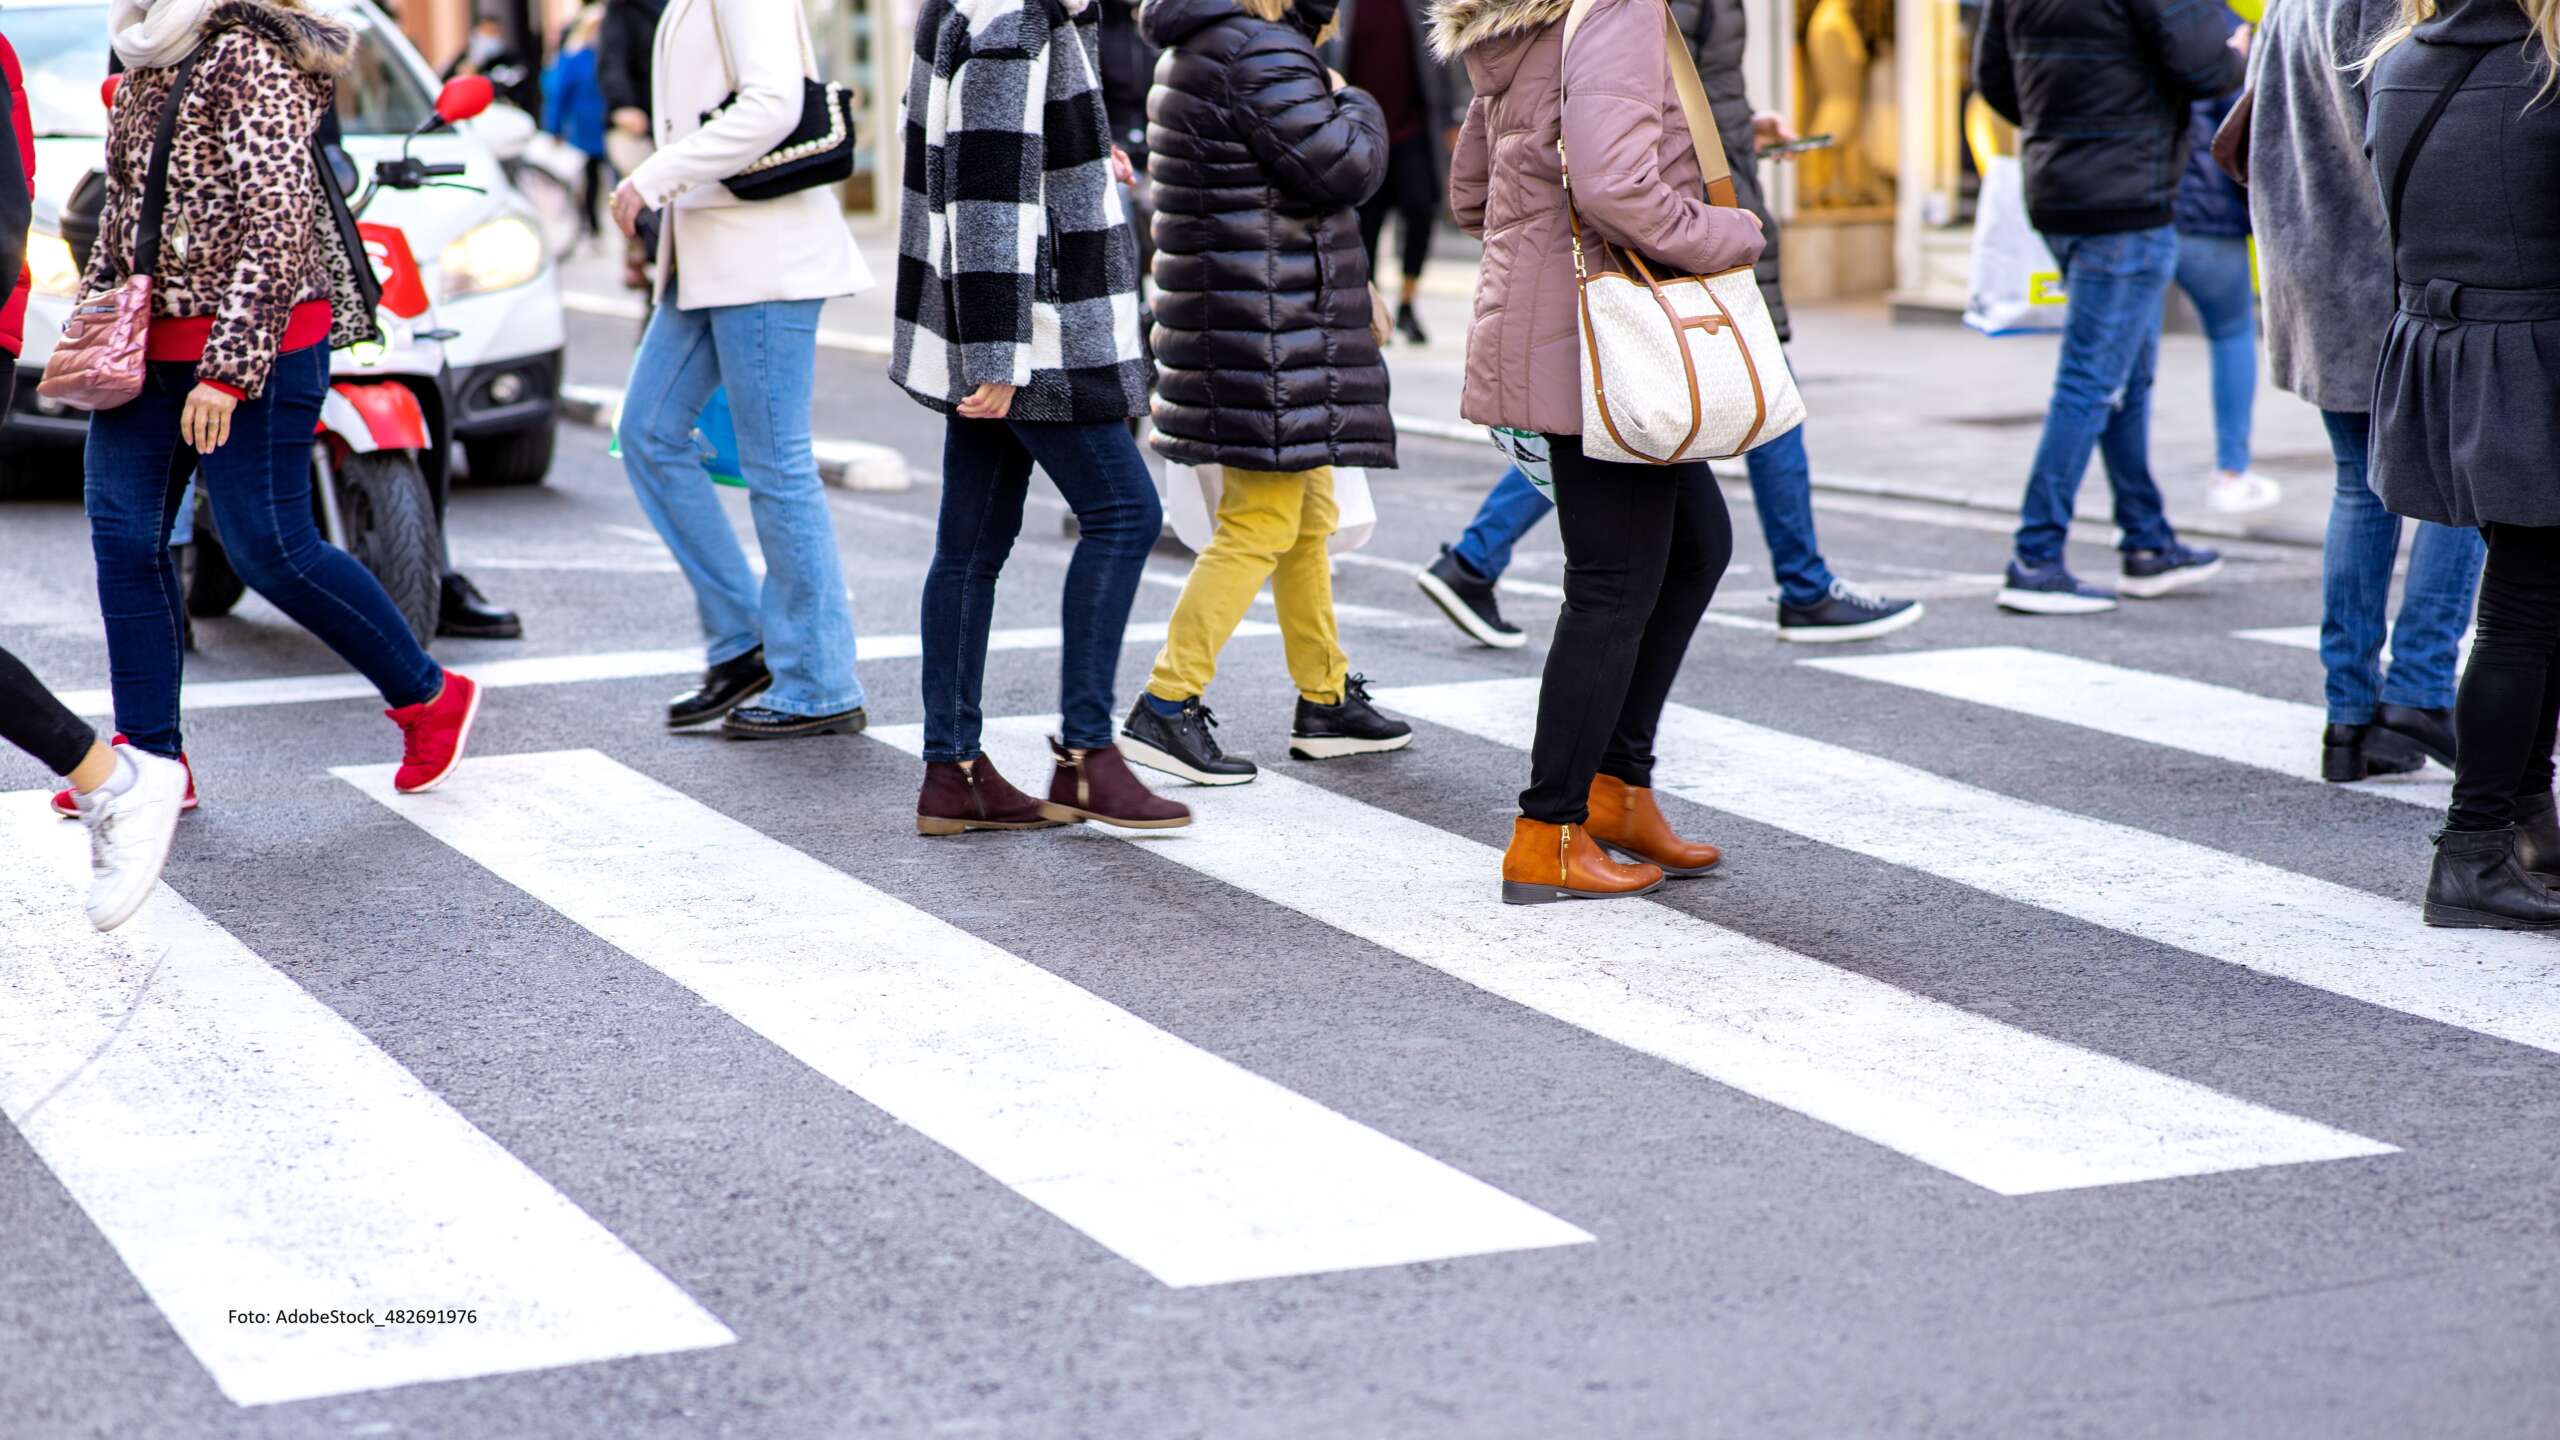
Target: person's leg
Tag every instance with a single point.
(768, 356)
(2214, 272)
(2435, 611)
(2500, 711)
(34, 721)
(1701, 547)
(1511, 509)
(2125, 443)
(986, 473)
(260, 485)
(1098, 469)
(2356, 557)
(1782, 493)
(672, 378)
(1302, 596)
(1257, 523)
(2116, 283)
(1417, 206)
(131, 496)
(1373, 222)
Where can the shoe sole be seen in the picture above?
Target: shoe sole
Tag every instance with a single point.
(479, 632)
(2348, 769)
(1139, 752)
(2152, 587)
(2455, 917)
(707, 716)
(941, 825)
(1465, 619)
(186, 807)
(1668, 872)
(1516, 893)
(2045, 602)
(1336, 747)
(1069, 815)
(461, 744)
(840, 726)
(1842, 634)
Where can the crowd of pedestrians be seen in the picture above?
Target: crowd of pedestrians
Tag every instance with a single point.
(1161, 225)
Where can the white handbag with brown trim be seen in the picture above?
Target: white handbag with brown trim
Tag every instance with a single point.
(1676, 367)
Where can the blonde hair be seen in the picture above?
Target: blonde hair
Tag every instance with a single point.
(2544, 15)
(1273, 10)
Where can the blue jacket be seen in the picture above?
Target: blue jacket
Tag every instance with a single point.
(573, 100)
(2208, 203)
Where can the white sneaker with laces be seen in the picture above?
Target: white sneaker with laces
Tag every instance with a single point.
(2238, 494)
(129, 836)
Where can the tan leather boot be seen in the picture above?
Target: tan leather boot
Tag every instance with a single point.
(1562, 862)
(1625, 818)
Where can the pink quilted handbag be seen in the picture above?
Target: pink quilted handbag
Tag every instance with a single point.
(99, 362)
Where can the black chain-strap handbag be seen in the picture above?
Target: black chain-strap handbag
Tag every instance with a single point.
(818, 151)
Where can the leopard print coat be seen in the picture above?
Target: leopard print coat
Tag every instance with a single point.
(247, 234)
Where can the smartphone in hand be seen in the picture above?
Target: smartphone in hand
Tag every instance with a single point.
(1798, 147)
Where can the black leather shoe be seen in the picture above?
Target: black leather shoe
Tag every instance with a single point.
(725, 687)
(2479, 884)
(1409, 325)
(2429, 730)
(2354, 752)
(466, 614)
(2538, 837)
(763, 722)
(1181, 744)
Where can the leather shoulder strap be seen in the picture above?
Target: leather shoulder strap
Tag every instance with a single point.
(2418, 141)
(1713, 167)
(155, 184)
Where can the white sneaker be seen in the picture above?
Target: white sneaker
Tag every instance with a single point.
(129, 837)
(2239, 494)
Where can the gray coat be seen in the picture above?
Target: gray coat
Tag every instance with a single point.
(1716, 31)
(2324, 251)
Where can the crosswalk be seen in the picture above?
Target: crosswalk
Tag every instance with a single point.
(231, 1135)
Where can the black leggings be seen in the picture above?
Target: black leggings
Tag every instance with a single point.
(1644, 546)
(595, 193)
(1410, 193)
(2505, 711)
(34, 721)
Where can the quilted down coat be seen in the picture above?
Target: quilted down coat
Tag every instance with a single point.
(1264, 359)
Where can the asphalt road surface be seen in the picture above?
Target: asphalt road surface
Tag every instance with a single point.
(2053, 1056)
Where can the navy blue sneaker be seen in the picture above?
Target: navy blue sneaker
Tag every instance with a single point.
(2052, 590)
(2150, 574)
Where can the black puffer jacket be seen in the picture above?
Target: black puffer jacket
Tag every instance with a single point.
(1263, 353)
(2100, 92)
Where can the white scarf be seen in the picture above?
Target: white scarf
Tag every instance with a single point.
(155, 34)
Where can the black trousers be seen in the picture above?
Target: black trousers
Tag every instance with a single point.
(1410, 194)
(32, 720)
(1644, 546)
(2506, 709)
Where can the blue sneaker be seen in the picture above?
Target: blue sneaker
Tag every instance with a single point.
(2150, 574)
(2051, 589)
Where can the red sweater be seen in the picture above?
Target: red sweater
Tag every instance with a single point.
(13, 314)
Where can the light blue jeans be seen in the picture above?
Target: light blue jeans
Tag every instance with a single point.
(767, 355)
(2355, 593)
(2214, 271)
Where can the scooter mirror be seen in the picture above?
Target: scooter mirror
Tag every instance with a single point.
(463, 96)
(107, 90)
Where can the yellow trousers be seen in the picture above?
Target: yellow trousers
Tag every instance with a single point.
(1271, 526)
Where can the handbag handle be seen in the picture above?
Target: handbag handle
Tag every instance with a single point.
(729, 66)
(155, 183)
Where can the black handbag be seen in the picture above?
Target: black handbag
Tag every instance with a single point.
(818, 151)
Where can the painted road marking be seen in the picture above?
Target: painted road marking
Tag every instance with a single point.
(2012, 1111)
(242, 1147)
(1197, 1171)
(2221, 906)
(2307, 637)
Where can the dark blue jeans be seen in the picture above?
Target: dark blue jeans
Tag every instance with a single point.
(260, 484)
(2102, 391)
(986, 473)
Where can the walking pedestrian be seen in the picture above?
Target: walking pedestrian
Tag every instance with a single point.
(626, 68)
(2103, 95)
(2216, 272)
(2330, 298)
(573, 108)
(1378, 45)
(1644, 545)
(1270, 366)
(2465, 147)
(1032, 354)
(243, 316)
(128, 799)
(740, 285)
(1814, 606)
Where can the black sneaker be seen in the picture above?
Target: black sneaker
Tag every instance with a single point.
(1181, 745)
(763, 722)
(1467, 599)
(2052, 590)
(1847, 613)
(2150, 574)
(1352, 726)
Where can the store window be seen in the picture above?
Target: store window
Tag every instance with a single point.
(851, 51)
(1845, 82)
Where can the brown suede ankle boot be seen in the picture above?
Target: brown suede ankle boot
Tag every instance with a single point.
(1562, 862)
(1097, 785)
(1625, 818)
(959, 798)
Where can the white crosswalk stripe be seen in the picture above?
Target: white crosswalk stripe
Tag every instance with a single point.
(2210, 720)
(242, 1147)
(2307, 637)
(2222, 906)
(1192, 1168)
(2009, 1110)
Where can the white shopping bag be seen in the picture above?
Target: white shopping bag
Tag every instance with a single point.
(1190, 495)
(2017, 284)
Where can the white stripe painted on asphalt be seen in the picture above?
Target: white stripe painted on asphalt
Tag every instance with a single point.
(575, 669)
(242, 1147)
(2167, 710)
(2008, 1110)
(2224, 907)
(2307, 637)
(1192, 1168)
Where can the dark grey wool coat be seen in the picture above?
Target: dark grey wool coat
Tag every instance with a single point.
(2466, 406)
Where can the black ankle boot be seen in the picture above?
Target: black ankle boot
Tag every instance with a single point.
(2429, 730)
(2538, 836)
(2354, 752)
(2479, 884)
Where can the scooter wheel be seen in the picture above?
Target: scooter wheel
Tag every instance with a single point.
(391, 531)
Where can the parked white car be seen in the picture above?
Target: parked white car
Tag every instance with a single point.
(484, 255)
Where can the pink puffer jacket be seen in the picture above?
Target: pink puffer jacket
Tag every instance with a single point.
(1635, 180)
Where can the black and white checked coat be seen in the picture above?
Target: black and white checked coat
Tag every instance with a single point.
(1016, 262)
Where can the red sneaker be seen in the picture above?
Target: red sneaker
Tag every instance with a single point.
(433, 734)
(69, 809)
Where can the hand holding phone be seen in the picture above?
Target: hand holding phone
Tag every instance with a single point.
(1791, 148)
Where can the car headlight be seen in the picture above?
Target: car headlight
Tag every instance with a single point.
(50, 266)
(497, 254)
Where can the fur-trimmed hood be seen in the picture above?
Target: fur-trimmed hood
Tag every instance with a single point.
(316, 43)
(1458, 26)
